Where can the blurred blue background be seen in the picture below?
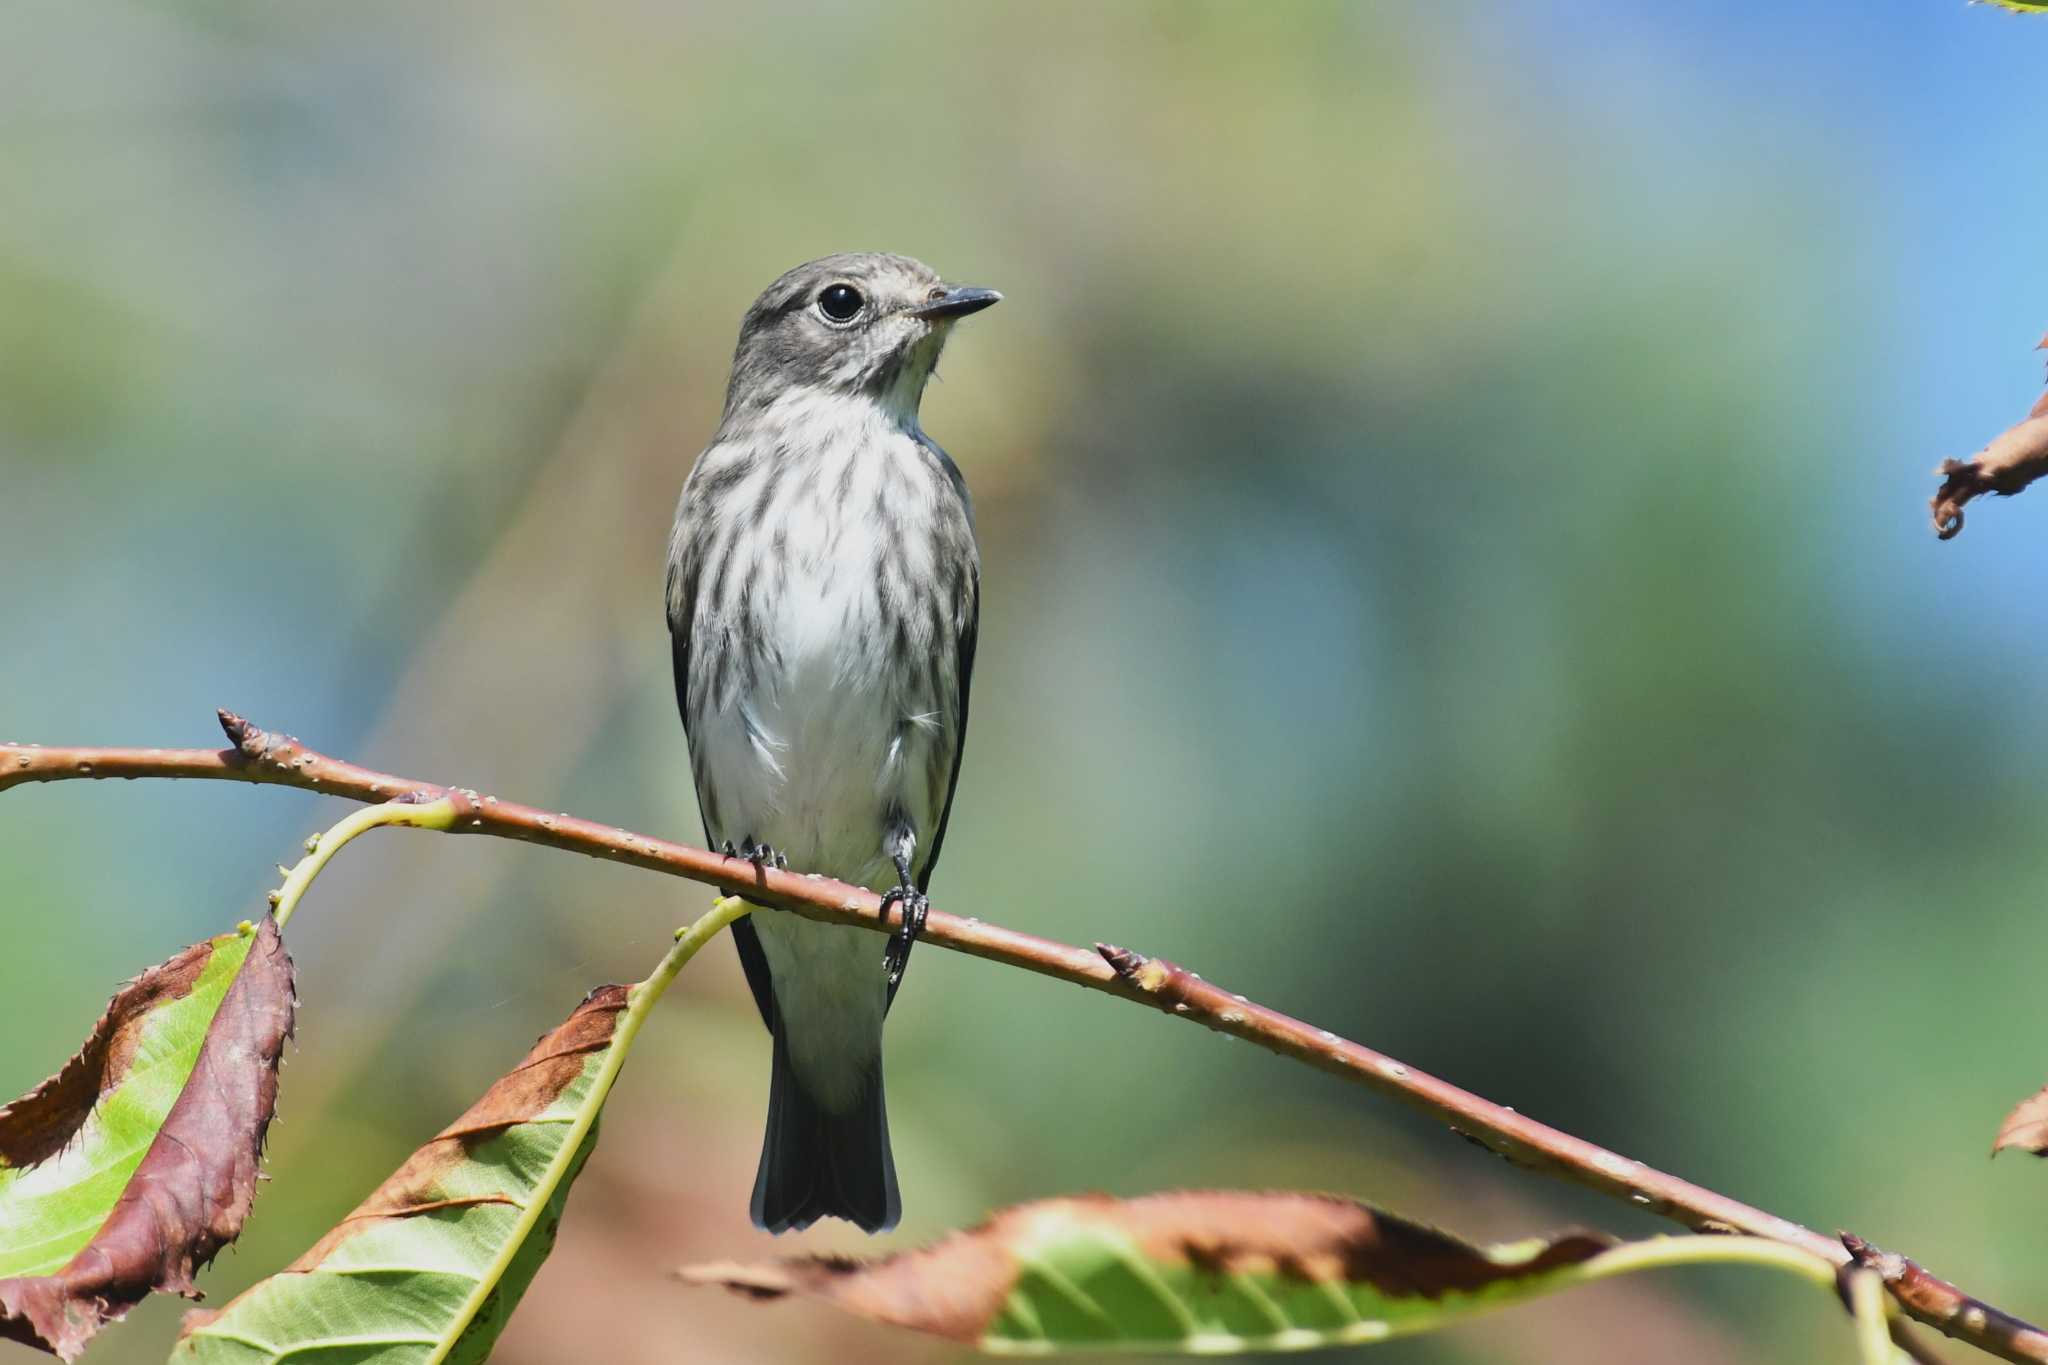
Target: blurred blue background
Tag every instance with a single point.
(1452, 485)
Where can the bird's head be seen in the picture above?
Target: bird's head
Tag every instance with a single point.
(865, 323)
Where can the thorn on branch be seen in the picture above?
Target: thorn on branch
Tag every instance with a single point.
(250, 739)
(1155, 976)
(1122, 961)
(1891, 1267)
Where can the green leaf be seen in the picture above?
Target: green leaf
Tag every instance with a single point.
(129, 1169)
(430, 1266)
(1211, 1272)
(428, 1269)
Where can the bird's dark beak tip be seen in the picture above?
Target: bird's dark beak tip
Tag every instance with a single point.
(957, 303)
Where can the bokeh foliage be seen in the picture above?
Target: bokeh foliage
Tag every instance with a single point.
(1452, 489)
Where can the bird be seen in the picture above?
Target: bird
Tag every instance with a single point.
(823, 601)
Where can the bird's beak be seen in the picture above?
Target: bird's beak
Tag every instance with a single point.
(957, 302)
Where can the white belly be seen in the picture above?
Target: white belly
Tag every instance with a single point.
(810, 762)
(813, 759)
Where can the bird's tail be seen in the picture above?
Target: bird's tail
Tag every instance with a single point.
(816, 1164)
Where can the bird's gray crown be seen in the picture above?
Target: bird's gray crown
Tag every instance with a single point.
(864, 322)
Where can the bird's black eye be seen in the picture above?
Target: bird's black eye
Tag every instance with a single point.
(840, 303)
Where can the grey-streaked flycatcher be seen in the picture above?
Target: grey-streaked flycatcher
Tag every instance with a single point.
(823, 594)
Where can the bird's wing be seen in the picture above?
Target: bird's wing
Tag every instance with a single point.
(681, 606)
(970, 625)
(969, 629)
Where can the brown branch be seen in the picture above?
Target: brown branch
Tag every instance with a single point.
(259, 756)
(1940, 1304)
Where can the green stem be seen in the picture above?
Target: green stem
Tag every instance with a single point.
(428, 815)
(724, 911)
(1869, 1305)
(640, 1003)
(1708, 1250)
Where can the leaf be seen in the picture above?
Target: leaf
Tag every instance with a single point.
(2015, 458)
(429, 1268)
(1189, 1273)
(2026, 1127)
(431, 1265)
(134, 1165)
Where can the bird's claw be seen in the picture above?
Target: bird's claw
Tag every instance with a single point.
(916, 907)
(755, 852)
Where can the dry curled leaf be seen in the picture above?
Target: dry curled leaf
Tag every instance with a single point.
(1198, 1271)
(2014, 459)
(133, 1166)
(2026, 1127)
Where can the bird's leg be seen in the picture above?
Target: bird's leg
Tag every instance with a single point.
(915, 908)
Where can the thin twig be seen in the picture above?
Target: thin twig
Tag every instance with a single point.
(2015, 458)
(259, 756)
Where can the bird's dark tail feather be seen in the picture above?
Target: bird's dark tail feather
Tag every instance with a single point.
(816, 1164)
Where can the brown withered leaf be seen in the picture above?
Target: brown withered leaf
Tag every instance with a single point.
(37, 1126)
(458, 1232)
(1206, 1270)
(2026, 1127)
(190, 1193)
(2014, 459)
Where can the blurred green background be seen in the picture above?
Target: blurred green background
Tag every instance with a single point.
(1452, 486)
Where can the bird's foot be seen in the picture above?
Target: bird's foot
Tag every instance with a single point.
(755, 852)
(915, 907)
